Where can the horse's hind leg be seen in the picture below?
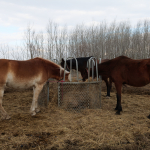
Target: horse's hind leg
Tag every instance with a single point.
(118, 106)
(3, 112)
(34, 107)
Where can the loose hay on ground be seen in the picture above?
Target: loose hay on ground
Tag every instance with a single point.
(54, 128)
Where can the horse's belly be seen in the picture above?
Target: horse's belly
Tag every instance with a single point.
(138, 83)
(20, 84)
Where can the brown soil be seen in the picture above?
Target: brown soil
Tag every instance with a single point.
(54, 128)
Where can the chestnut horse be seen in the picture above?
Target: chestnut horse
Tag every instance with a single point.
(123, 70)
(25, 74)
(82, 68)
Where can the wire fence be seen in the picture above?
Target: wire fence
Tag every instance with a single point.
(79, 95)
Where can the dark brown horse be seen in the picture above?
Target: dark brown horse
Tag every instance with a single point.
(82, 67)
(123, 70)
(82, 64)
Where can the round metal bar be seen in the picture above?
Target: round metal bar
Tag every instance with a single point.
(92, 58)
(71, 67)
(100, 60)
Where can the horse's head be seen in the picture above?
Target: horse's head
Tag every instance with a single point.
(67, 74)
(84, 74)
(63, 64)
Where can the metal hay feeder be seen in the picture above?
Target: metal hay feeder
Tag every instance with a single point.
(80, 95)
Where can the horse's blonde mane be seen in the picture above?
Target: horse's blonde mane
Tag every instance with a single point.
(49, 61)
(57, 66)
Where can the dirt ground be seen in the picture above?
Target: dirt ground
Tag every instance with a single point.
(93, 129)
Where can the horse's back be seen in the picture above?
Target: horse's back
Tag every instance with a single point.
(4, 64)
(131, 71)
(133, 63)
(28, 67)
(119, 62)
(82, 62)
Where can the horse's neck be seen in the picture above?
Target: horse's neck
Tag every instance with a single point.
(103, 69)
(52, 69)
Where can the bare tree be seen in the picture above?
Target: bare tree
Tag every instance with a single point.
(102, 40)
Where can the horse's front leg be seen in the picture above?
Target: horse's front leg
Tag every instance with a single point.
(118, 95)
(34, 107)
(108, 85)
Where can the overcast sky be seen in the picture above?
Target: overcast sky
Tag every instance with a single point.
(15, 15)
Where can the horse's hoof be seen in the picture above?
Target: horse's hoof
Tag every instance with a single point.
(33, 113)
(107, 96)
(5, 117)
(8, 117)
(37, 110)
(148, 117)
(118, 113)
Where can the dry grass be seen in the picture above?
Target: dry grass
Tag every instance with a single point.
(54, 128)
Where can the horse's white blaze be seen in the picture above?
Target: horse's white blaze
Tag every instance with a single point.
(61, 70)
(66, 72)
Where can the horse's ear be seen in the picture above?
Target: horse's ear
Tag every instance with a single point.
(62, 60)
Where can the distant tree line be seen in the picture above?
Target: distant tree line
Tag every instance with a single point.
(102, 41)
